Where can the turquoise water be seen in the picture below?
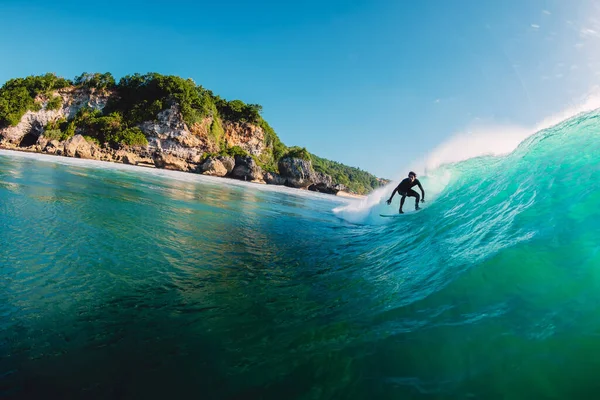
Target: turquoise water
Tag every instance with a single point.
(118, 282)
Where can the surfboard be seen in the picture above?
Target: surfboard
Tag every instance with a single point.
(400, 215)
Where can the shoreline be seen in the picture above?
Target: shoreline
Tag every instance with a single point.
(341, 193)
(151, 166)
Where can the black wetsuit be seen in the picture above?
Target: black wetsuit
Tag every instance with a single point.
(405, 188)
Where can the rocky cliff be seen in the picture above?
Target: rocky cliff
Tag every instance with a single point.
(163, 122)
(171, 143)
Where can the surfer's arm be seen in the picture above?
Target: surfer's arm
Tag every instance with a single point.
(393, 193)
(422, 191)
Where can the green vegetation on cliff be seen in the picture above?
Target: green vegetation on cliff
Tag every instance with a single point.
(298, 152)
(138, 98)
(95, 81)
(54, 103)
(141, 97)
(19, 95)
(357, 180)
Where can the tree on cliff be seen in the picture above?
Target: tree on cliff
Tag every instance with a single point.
(95, 80)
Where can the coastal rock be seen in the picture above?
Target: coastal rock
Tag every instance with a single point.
(217, 166)
(274, 179)
(297, 173)
(323, 179)
(322, 188)
(213, 167)
(42, 142)
(130, 158)
(228, 162)
(96, 152)
(135, 155)
(246, 169)
(323, 184)
(106, 153)
(168, 161)
(77, 146)
(52, 147)
(340, 187)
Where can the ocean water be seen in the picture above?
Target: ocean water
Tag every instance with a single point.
(121, 282)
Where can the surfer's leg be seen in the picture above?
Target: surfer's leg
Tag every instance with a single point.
(414, 194)
(402, 202)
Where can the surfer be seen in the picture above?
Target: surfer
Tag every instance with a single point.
(405, 189)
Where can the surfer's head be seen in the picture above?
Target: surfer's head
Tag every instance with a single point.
(412, 176)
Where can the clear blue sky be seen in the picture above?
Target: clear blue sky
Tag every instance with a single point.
(365, 83)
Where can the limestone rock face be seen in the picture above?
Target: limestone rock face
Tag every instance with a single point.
(32, 124)
(297, 173)
(249, 137)
(169, 134)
